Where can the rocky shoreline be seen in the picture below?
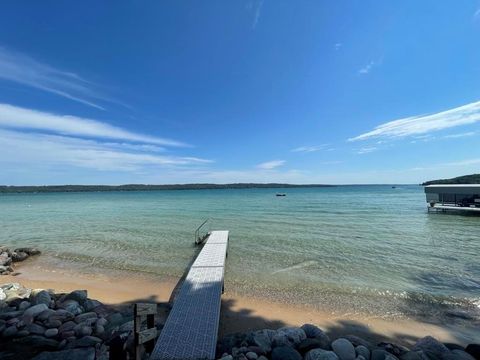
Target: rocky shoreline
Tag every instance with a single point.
(42, 325)
(311, 343)
(9, 257)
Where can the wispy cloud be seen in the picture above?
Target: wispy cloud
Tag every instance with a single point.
(269, 165)
(22, 69)
(257, 11)
(308, 149)
(338, 46)
(367, 68)
(367, 150)
(29, 149)
(21, 118)
(459, 135)
(416, 125)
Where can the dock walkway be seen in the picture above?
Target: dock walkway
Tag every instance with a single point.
(191, 329)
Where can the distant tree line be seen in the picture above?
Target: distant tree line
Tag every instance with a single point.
(466, 179)
(143, 187)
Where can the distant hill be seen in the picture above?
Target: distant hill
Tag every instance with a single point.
(466, 179)
(142, 187)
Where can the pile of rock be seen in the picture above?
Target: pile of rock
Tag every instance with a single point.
(43, 325)
(8, 257)
(311, 343)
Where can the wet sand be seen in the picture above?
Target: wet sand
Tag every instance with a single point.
(239, 313)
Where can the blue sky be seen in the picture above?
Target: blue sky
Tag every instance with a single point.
(245, 91)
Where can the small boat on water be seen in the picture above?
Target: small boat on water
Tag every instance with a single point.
(281, 194)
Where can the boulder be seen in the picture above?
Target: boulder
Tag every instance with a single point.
(44, 315)
(40, 297)
(85, 341)
(19, 256)
(379, 354)
(285, 353)
(344, 349)
(82, 330)
(288, 336)
(72, 354)
(251, 355)
(78, 295)
(90, 304)
(38, 342)
(414, 355)
(28, 250)
(461, 355)
(67, 326)
(24, 305)
(263, 339)
(474, 350)
(51, 333)
(85, 316)
(35, 310)
(356, 340)
(320, 354)
(10, 331)
(310, 344)
(72, 306)
(430, 345)
(361, 350)
(36, 329)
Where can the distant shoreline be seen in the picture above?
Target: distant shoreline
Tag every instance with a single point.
(143, 187)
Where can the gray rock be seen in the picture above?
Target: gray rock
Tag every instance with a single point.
(72, 306)
(379, 354)
(320, 354)
(85, 316)
(36, 329)
(5, 260)
(53, 322)
(227, 357)
(102, 321)
(23, 305)
(82, 330)
(36, 310)
(10, 315)
(72, 354)
(288, 336)
(310, 344)
(51, 333)
(44, 315)
(313, 331)
(67, 326)
(257, 350)
(64, 315)
(414, 355)
(90, 304)
(474, 350)
(263, 339)
(344, 349)
(99, 330)
(78, 295)
(28, 250)
(38, 342)
(40, 297)
(23, 333)
(462, 355)
(251, 355)
(430, 345)
(67, 334)
(361, 350)
(86, 341)
(10, 331)
(355, 340)
(262, 358)
(19, 256)
(285, 353)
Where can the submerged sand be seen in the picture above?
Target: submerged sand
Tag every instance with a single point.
(240, 313)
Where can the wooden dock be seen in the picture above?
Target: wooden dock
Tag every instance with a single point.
(191, 329)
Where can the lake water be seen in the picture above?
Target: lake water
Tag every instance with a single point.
(368, 249)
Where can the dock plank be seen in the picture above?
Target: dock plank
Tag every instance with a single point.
(191, 329)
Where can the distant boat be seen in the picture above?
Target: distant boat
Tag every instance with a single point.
(281, 194)
(394, 187)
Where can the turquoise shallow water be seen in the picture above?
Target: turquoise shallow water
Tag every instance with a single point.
(352, 248)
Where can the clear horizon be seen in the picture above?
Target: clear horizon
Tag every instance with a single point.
(248, 92)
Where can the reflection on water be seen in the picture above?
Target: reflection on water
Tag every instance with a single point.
(366, 248)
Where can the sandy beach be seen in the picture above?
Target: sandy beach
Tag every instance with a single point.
(239, 313)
